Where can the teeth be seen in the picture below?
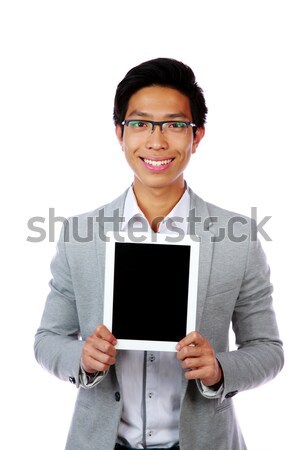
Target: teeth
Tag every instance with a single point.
(157, 163)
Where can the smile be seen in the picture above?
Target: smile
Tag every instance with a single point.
(163, 162)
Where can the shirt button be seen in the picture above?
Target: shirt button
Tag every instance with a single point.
(150, 433)
(150, 395)
(151, 358)
(117, 396)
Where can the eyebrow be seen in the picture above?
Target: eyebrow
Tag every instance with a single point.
(177, 115)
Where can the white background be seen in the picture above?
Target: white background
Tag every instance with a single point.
(60, 64)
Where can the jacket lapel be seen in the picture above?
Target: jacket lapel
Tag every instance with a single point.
(112, 214)
(200, 216)
(200, 224)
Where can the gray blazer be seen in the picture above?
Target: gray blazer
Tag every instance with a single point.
(234, 287)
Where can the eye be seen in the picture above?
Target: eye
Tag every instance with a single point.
(137, 124)
(177, 125)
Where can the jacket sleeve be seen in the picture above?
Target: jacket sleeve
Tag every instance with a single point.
(58, 344)
(259, 354)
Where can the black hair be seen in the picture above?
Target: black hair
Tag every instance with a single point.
(164, 72)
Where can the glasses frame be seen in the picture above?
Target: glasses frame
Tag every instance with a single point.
(160, 123)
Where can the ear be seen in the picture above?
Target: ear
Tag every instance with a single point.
(200, 132)
(119, 134)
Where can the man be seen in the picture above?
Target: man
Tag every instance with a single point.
(136, 399)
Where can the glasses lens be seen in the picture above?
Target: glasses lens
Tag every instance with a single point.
(175, 127)
(139, 125)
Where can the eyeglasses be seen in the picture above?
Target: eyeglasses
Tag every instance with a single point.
(168, 127)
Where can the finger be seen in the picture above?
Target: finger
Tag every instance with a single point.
(196, 363)
(104, 333)
(209, 375)
(100, 345)
(196, 351)
(100, 357)
(193, 338)
(195, 374)
(91, 365)
(94, 359)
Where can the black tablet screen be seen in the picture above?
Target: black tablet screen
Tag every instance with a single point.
(150, 291)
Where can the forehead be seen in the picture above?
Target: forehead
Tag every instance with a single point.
(159, 101)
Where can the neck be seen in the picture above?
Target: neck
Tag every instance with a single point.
(156, 203)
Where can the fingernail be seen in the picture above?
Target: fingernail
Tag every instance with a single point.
(178, 347)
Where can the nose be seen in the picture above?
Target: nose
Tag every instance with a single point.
(156, 139)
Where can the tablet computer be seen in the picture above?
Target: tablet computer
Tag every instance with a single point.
(150, 295)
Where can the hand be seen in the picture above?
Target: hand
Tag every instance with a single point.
(199, 358)
(98, 352)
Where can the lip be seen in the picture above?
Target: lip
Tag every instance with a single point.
(157, 158)
(153, 168)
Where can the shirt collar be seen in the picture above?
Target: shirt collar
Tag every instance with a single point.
(179, 212)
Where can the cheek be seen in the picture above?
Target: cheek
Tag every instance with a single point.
(190, 149)
(128, 145)
(130, 148)
(129, 154)
(125, 147)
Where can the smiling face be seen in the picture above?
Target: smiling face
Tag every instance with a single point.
(158, 159)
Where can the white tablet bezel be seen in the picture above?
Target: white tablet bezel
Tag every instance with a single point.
(150, 238)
